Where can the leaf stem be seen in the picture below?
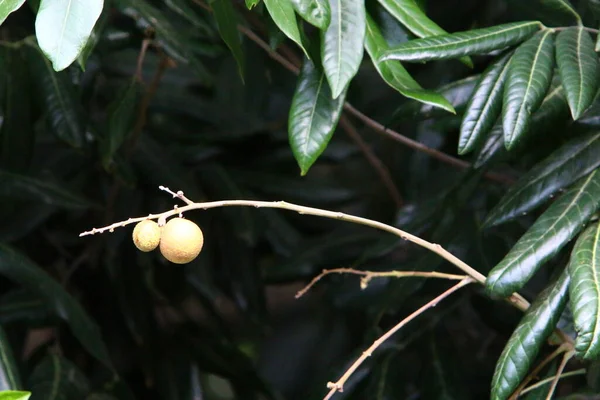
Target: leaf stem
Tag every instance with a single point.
(543, 382)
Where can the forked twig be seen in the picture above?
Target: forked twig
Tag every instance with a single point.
(546, 381)
(566, 357)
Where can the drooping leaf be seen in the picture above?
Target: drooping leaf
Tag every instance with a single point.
(584, 268)
(63, 27)
(485, 105)
(14, 395)
(250, 4)
(56, 378)
(63, 110)
(562, 6)
(524, 344)
(394, 73)
(492, 146)
(9, 371)
(9, 6)
(27, 188)
(528, 80)
(23, 305)
(94, 39)
(576, 158)
(454, 45)
(342, 43)
(410, 14)
(284, 17)
(550, 233)
(579, 68)
(20, 269)
(315, 12)
(227, 21)
(314, 115)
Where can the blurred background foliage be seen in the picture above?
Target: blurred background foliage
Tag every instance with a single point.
(160, 101)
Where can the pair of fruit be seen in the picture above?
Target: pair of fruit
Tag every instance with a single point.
(180, 239)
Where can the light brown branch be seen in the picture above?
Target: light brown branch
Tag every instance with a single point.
(566, 357)
(543, 382)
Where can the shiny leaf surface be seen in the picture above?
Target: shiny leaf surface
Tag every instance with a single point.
(315, 12)
(9, 370)
(227, 22)
(9, 6)
(284, 17)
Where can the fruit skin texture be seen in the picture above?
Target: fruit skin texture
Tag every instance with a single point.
(146, 235)
(181, 241)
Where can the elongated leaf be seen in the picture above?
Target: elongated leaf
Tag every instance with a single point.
(7, 7)
(342, 43)
(227, 22)
(284, 17)
(63, 109)
(9, 371)
(524, 344)
(414, 19)
(56, 378)
(394, 73)
(23, 305)
(579, 68)
(564, 7)
(314, 115)
(573, 160)
(453, 45)
(62, 28)
(550, 233)
(492, 146)
(315, 12)
(485, 105)
(529, 77)
(15, 395)
(18, 268)
(584, 268)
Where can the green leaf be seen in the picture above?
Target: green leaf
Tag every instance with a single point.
(63, 27)
(453, 45)
(584, 268)
(22, 187)
(56, 378)
(342, 43)
(14, 395)
(7, 7)
(227, 22)
(529, 77)
(250, 4)
(410, 14)
(485, 105)
(9, 371)
(573, 160)
(579, 68)
(492, 146)
(94, 38)
(314, 115)
(20, 269)
(63, 109)
(394, 73)
(562, 6)
(122, 114)
(23, 305)
(315, 12)
(524, 344)
(284, 17)
(550, 233)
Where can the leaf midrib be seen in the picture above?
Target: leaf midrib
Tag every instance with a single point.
(311, 119)
(594, 269)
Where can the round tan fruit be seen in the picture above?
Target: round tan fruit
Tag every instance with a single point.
(181, 241)
(146, 235)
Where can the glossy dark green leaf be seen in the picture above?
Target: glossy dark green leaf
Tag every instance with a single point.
(314, 115)
(584, 268)
(56, 378)
(342, 43)
(20, 269)
(576, 158)
(410, 14)
(63, 109)
(395, 75)
(315, 12)
(528, 81)
(282, 13)
(23, 305)
(9, 370)
(485, 105)
(27, 188)
(9, 6)
(94, 39)
(579, 68)
(550, 233)
(14, 395)
(227, 22)
(454, 45)
(63, 27)
(522, 348)
(563, 7)
(492, 147)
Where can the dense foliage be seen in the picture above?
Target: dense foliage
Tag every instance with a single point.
(472, 124)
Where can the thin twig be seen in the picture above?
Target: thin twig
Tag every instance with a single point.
(543, 382)
(368, 275)
(566, 357)
(338, 386)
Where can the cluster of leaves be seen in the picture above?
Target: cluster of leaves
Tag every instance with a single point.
(109, 101)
